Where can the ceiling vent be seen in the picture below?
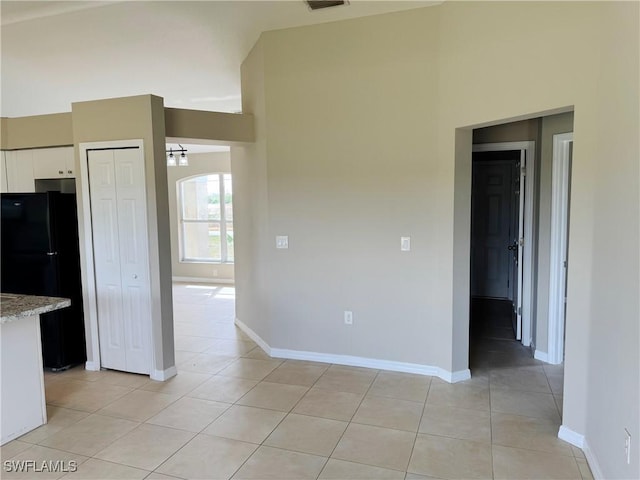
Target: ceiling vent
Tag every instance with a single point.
(320, 4)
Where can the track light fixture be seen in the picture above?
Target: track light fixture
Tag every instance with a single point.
(177, 157)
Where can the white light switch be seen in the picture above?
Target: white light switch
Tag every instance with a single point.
(282, 241)
(405, 244)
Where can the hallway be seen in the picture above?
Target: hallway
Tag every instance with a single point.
(492, 342)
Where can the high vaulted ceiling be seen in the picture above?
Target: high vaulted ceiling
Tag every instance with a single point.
(58, 52)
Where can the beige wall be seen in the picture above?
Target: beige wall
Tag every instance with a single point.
(202, 125)
(563, 41)
(250, 203)
(369, 138)
(199, 164)
(521, 131)
(56, 129)
(347, 174)
(52, 130)
(613, 363)
(140, 117)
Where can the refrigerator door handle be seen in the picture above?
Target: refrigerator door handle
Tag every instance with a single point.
(51, 254)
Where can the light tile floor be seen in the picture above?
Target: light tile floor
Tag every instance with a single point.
(233, 412)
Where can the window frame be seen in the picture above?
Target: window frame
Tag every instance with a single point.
(222, 222)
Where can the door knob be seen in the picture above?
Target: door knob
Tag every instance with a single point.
(135, 276)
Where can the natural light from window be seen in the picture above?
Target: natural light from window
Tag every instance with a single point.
(206, 218)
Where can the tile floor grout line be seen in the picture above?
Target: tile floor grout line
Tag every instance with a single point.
(348, 423)
(493, 472)
(137, 427)
(106, 446)
(261, 444)
(415, 439)
(120, 464)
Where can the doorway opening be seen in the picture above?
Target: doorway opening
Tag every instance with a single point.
(496, 231)
(501, 251)
(200, 197)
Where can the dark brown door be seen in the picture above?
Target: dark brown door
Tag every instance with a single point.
(494, 224)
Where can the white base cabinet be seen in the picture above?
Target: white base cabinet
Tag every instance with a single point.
(22, 396)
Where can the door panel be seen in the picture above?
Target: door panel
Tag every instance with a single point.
(121, 258)
(127, 211)
(106, 250)
(491, 227)
(111, 322)
(106, 209)
(136, 333)
(132, 225)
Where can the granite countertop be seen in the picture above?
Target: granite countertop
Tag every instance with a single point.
(15, 306)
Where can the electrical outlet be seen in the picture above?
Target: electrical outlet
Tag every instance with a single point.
(405, 244)
(627, 446)
(348, 317)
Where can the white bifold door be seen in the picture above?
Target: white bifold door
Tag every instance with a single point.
(121, 257)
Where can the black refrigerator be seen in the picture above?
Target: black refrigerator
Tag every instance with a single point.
(40, 256)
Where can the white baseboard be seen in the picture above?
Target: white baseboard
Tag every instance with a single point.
(594, 465)
(253, 336)
(162, 375)
(578, 440)
(354, 361)
(93, 366)
(542, 356)
(568, 435)
(208, 280)
(159, 375)
(454, 377)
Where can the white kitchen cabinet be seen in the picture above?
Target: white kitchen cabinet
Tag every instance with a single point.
(3, 173)
(23, 398)
(19, 165)
(56, 162)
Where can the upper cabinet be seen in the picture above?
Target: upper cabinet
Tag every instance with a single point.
(19, 168)
(53, 163)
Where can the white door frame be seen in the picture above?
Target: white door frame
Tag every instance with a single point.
(560, 178)
(89, 293)
(525, 250)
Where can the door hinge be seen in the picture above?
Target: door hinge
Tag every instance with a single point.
(519, 311)
(521, 241)
(523, 171)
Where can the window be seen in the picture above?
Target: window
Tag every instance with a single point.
(206, 218)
